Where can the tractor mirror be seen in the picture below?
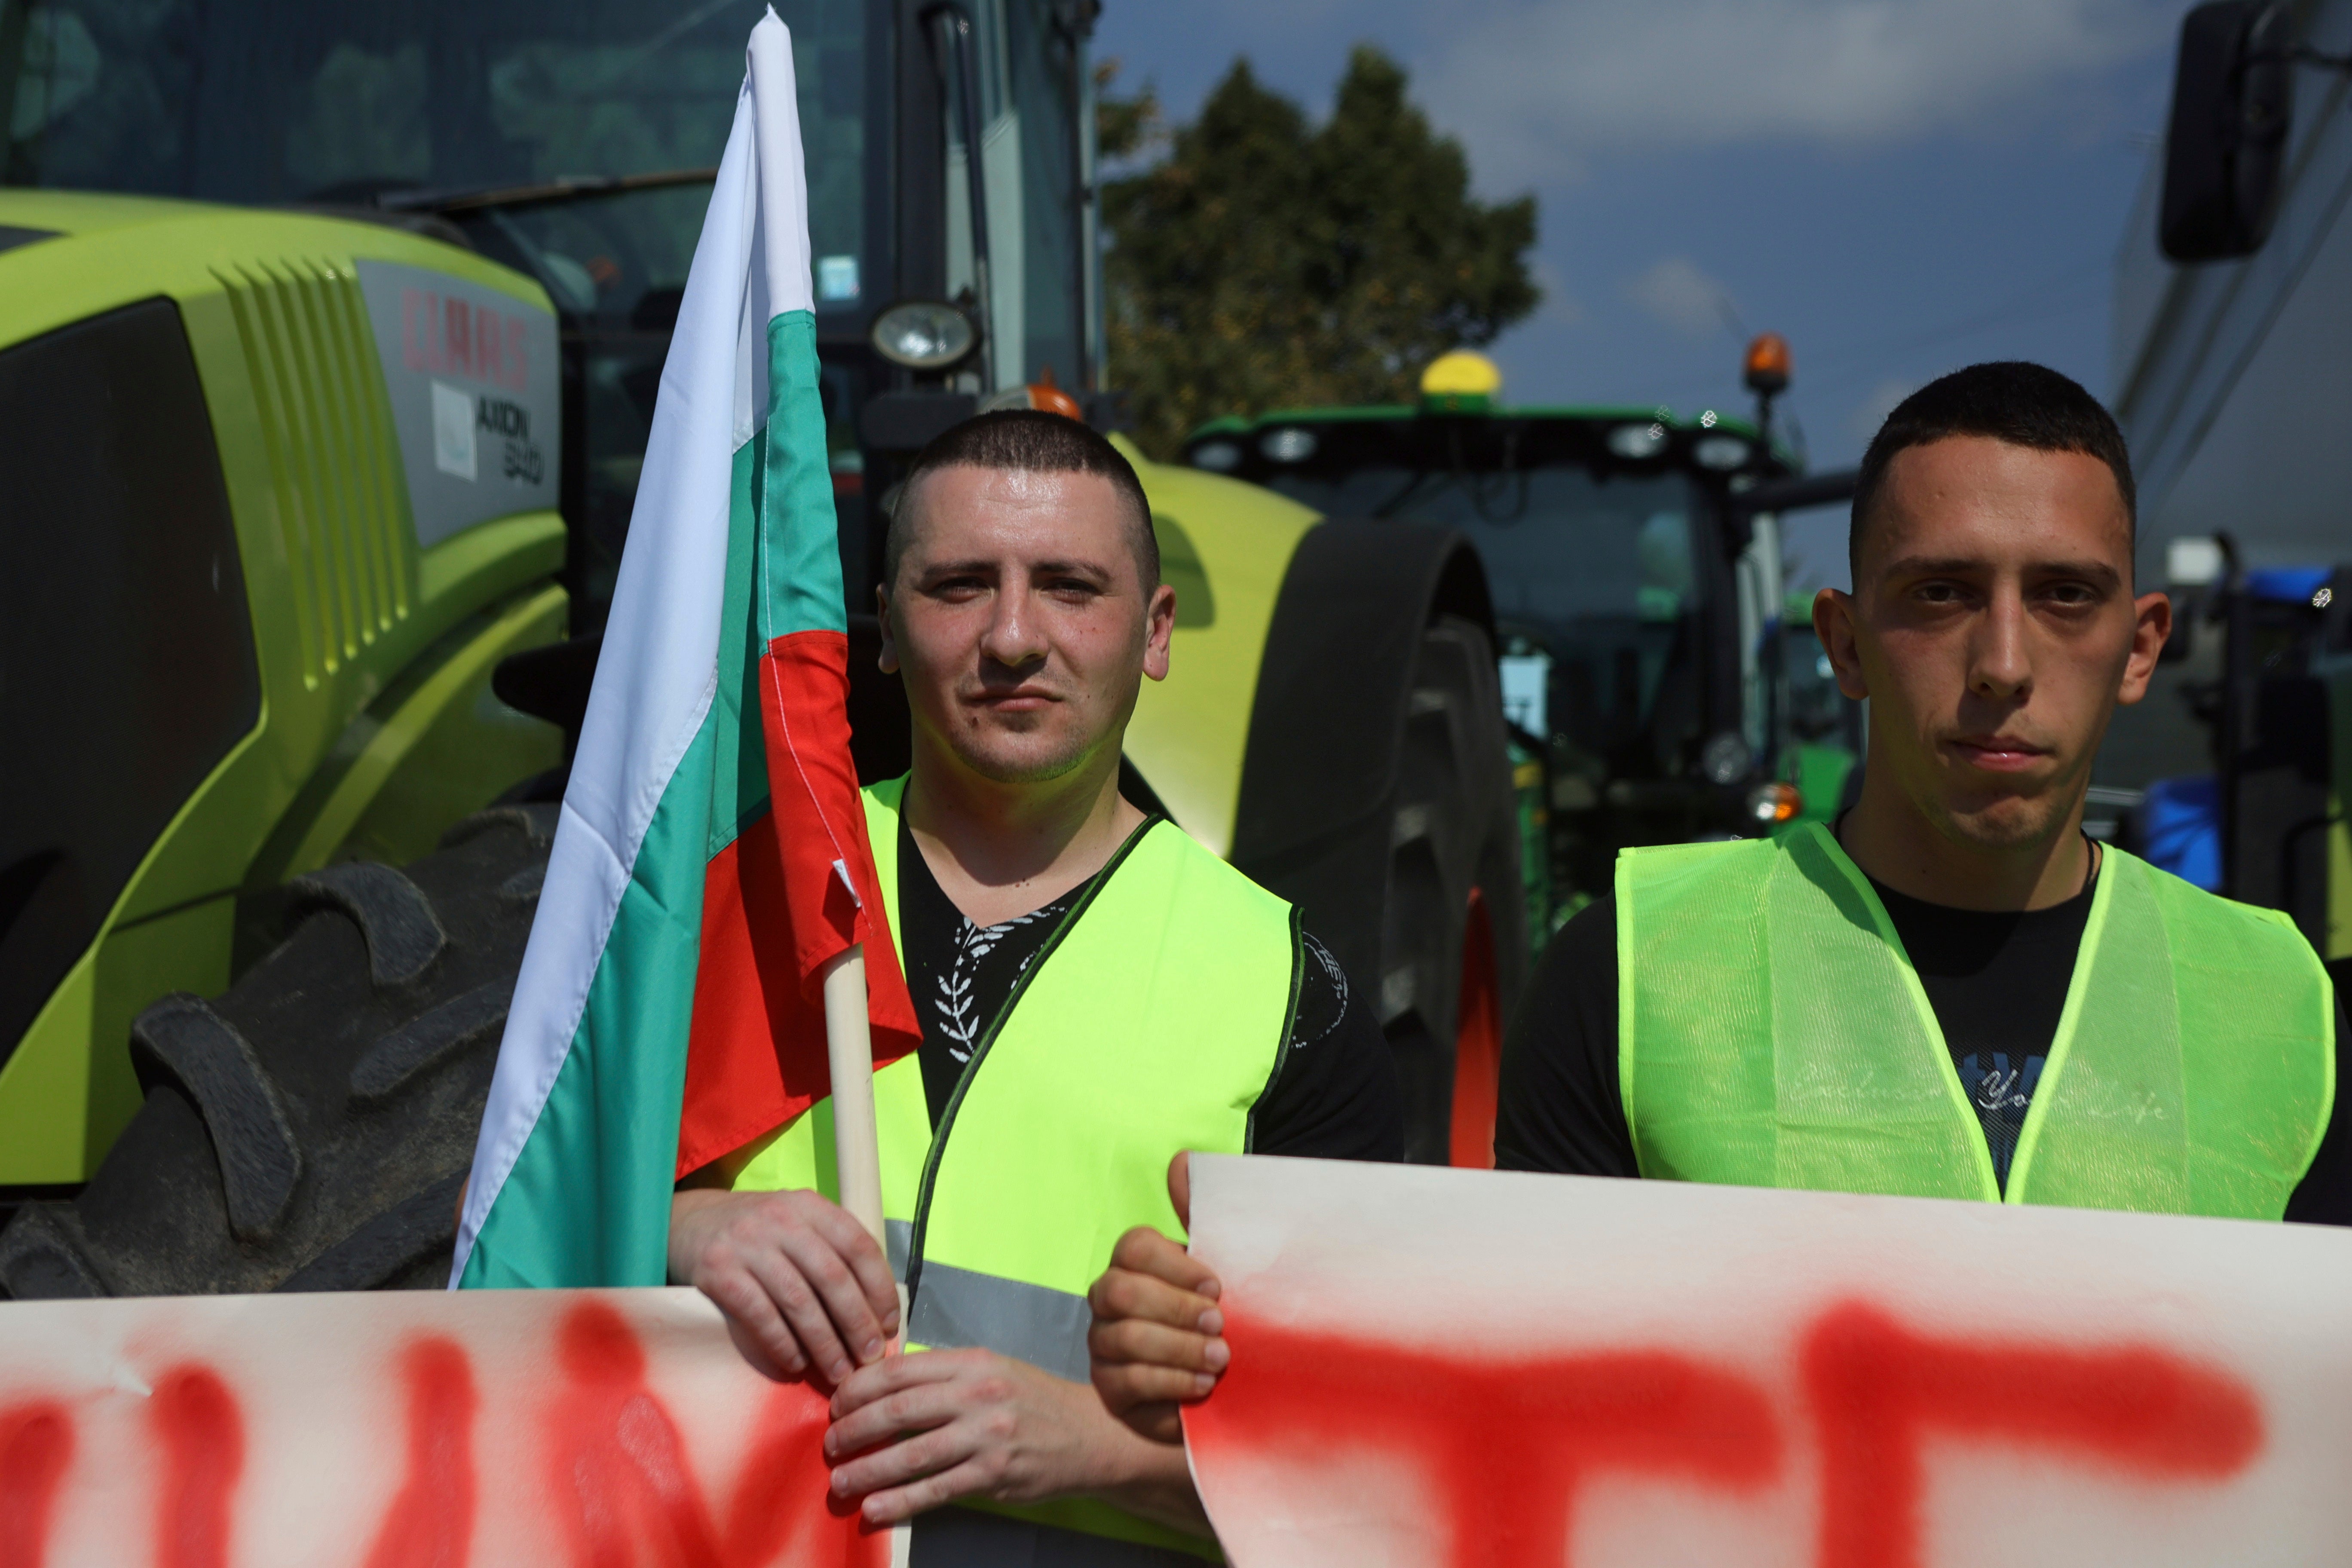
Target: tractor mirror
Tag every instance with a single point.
(2230, 104)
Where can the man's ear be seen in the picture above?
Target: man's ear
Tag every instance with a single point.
(2151, 626)
(889, 660)
(1159, 623)
(1833, 623)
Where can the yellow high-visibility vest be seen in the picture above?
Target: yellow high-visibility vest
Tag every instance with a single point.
(1772, 1032)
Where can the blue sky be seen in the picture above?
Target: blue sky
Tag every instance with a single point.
(1899, 186)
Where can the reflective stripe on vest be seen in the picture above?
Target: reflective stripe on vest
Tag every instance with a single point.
(1773, 1033)
(1152, 1021)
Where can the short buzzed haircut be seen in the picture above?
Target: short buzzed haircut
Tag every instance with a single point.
(1030, 441)
(2016, 400)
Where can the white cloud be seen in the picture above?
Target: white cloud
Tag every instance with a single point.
(1674, 290)
(1532, 85)
(1872, 410)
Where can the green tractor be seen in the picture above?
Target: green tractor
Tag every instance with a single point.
(1636, 565)
(329, 340)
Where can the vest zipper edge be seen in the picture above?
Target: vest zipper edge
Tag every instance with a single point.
(1282, 1041)
(932, 1158)
(2062, 1041)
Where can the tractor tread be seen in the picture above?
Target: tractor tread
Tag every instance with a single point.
(403, 936)
(448, 1030)
(393, 1243)
(309, 1128)
(44, 1257)
(535, 821)
(181, 1037)
(524, 886)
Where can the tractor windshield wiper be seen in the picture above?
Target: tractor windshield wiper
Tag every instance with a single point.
(570, 188)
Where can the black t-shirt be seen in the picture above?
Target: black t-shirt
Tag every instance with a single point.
(1997, 983)
(1335, 1096)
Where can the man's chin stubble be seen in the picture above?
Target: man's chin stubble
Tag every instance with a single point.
(1023, 769)
(2003, 826)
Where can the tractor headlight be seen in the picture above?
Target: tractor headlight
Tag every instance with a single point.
(1636, 442)
(1720, 453)
(925, 334)
(1289, 445)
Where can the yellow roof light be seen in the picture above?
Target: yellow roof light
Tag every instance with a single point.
(1460, 383)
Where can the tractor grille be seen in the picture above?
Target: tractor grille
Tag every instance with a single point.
(331, 455)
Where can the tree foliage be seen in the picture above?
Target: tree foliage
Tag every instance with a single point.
(1262, 261)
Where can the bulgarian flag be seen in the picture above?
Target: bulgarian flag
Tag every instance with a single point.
(711, 858)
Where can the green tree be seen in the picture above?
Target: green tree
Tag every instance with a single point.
(1262, 261)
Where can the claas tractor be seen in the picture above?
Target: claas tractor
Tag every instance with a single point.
(1635, 559)
(329, 342)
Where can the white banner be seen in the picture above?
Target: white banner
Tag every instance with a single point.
(1452, 1367)
(423, 1429)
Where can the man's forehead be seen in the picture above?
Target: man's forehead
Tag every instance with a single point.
(1971, 497)
(968, 493)
(970, 512)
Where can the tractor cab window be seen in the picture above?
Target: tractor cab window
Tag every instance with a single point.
(1023, 67)
(267, 101)
(1046, 63)
(127, 667)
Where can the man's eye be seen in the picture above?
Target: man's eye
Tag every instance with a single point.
(1940, 593)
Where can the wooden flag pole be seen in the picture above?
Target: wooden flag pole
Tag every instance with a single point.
(856, 1142)
(849, 1054)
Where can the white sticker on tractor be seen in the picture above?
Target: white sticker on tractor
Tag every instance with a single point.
(473, 378)
(453, 431)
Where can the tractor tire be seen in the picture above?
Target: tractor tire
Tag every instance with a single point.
(310, 1128)
(1453, 924)
(1376, 796)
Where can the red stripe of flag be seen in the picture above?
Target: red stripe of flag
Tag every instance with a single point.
(776, 910)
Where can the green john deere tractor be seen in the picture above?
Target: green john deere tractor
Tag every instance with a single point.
(330, 339)
(1637, 565)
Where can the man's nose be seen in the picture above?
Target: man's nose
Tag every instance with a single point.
(2001, 663)
(1014, 637)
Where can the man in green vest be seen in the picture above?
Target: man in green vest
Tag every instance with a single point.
(1952, 993)
(1097, 992)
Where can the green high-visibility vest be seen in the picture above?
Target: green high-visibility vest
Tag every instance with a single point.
(1153, 1020)
(1773, 1033)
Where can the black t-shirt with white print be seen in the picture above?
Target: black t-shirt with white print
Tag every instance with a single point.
(1335, 1097)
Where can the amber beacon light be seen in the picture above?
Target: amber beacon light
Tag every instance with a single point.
(1766, 374)
(1774, 803)
(1768, 365)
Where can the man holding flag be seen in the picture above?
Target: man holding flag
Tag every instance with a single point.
(682, 1091)
(1099, 991)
